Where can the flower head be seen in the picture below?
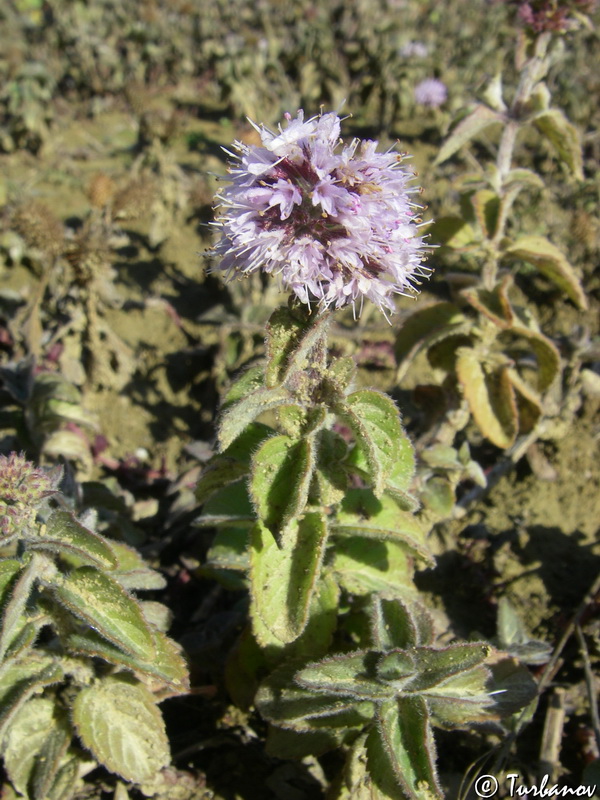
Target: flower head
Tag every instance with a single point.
(431, 92)
(22, 489)
(335, 222)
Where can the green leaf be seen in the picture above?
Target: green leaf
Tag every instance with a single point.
(229, 551)
(66, 779)
(486, 208)
(356, 780)
(424, 328)
(551, 262)
(401, 751)
(316, 637)
(546, 354)
(363, 514)
(34, 745)
(293, 342)
(247, 383)
(13, 616)
(563, 136)
(21, 679)
(167, 668)
(284, 333)
(8, 569)
(480, 118)
(490, 397)
(282, 701)
(241, 413)
(395, 623)
(122, 727)
(375, 422)
(245, 445)
(219, 472)
(64, 533)
(280, 479)
(529, 403)
(103, 603)
(362, 566)
(132, 571)
(402, 473)
(283, 580)
(438, 667)
(229, 507)
(350, 675)
(331, 474)
(287, 744)
(514, 638)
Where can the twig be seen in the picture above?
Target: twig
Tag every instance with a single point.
(552, 735)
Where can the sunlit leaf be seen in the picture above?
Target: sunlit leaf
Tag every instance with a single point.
(564, 138)
(552, 263)
(103, 603)
(284, 579)
(122, 727)
(480, 118)
(490, 397)
(280, 479)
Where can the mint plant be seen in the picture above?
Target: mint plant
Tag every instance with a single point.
(311, 486)
(499, 366)
(83, 663)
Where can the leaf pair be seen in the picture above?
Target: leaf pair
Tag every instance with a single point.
(386, 700)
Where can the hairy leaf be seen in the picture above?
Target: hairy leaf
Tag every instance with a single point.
(396, 623)
(132, 571)
(244, 411)
(35, 743)
(375, 422)
(283, 580)
(21, 679)
(167, 667)
(362, 566)
(546, 354)
(284, 333)
(122, 727)
(490, 397)
(401, 751)
(438, 496)
(13, 612)
(453, 232)
(281, 474)
(103, 603)
(350, 675)
(219, 472)
(64, 533)
(363, 514)
(282, 701)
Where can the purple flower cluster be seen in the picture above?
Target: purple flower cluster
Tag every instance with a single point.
(22, 488)
(431, 92)
(336, 223)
